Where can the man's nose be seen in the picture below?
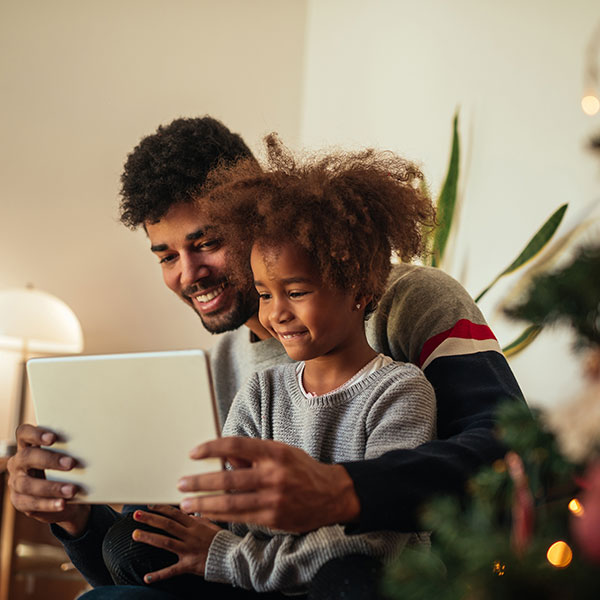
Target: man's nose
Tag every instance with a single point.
(193, 268)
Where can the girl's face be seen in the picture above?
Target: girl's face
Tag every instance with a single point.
(308, 317)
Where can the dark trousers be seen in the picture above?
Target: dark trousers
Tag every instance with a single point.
(352, 577)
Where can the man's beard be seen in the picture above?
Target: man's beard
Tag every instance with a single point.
(245, 305)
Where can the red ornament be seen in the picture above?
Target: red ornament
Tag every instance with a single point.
(523, 508)
(586, 527)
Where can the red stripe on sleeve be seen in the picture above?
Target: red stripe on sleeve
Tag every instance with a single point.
(462, 329)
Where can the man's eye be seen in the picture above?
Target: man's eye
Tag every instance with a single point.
(166, 259)
(208, 245)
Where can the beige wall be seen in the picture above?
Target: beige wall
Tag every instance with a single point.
(390, 73)
(81, 83)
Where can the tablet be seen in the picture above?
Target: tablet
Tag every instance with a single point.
(130, 420)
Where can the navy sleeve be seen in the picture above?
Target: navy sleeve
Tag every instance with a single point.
(393, 488)
(85, 551)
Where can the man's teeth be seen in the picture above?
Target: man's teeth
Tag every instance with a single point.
(210, 295)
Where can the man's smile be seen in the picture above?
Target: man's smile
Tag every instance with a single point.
(207, 300)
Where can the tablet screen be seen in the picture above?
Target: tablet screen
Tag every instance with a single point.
(130, 420)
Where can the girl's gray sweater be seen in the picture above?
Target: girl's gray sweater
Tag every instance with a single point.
(393, 407)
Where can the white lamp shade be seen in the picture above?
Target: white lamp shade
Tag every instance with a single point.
(33, 321)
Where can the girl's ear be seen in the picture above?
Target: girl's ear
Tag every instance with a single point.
(361, 302)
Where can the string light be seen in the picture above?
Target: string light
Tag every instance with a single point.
(559, 555)
(576, 507)
(498, 568)
(590, 105)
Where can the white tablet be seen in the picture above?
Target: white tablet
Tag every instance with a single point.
(130, 420)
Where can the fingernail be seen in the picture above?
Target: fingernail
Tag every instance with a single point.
(58, 504)
(137, 515)
(47, 438)
(148, 578)
(66, 461)
(181, 484)
(136, 534)
(67, 491)
(186, 504)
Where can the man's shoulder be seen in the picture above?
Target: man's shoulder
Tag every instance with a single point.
(406, 277)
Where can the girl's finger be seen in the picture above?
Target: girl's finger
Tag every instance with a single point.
(160, 522)
(158, 541)
(165, 573)
(170, 511)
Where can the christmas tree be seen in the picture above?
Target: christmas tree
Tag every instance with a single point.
(530, 525)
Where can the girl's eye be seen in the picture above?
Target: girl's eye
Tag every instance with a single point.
(263, 296)
(297, 294)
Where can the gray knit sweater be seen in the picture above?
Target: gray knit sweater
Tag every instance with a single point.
(393, 407)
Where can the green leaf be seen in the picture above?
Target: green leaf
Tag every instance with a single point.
(447, 201)
(533, 247)
(522, 341)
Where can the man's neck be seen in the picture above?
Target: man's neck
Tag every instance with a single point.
(257, 329)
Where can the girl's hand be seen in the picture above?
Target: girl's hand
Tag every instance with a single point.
(191, 541)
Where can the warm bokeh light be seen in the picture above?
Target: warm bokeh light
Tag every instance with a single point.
(576, 507)
(590, 105)
(499, 568)
(559, 555)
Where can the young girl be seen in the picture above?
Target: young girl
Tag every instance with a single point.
(320, 235)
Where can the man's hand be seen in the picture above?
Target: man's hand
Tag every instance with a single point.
(35, 496)
(191, 539)
(280, 487)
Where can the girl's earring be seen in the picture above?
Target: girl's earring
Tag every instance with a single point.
(358, 307)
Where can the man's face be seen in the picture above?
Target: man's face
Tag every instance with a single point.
(194, 266)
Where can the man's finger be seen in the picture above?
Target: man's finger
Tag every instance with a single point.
(237, 504)
(30, 435)
(31, 504)
(239, 480)
(238, 447)
(32, 457)
(42, 488)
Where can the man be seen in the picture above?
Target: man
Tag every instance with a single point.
(425, 317)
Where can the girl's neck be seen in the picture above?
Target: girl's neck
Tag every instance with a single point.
(328, 372)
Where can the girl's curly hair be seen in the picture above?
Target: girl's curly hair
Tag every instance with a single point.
(348, 210)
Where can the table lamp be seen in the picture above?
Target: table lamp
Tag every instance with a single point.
(35, 322)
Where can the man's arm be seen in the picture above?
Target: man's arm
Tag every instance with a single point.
(427, 318)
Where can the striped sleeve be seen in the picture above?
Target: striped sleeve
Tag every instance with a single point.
(463, 338)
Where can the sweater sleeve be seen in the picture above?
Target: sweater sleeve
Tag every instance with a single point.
(427, 318)
(276, 561)
(85, 551)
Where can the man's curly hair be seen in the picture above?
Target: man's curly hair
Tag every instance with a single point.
(167, 167)
(348, 211)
